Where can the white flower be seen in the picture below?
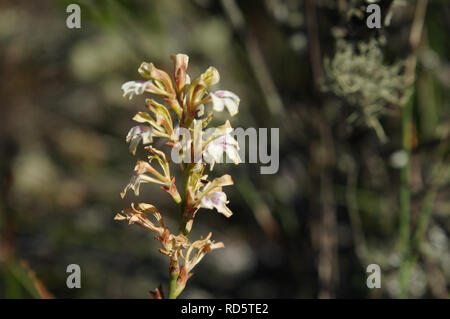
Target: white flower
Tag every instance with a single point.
(216, 148)
(140, 177)
(137, 134)
(221, 99)
(132, 88)
(136, 181)
(217, 200)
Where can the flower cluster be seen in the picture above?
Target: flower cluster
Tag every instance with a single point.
(188, 108)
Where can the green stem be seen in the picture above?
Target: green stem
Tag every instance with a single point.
(407, 128)
(405, 198)
(174, 273)
(173, 287)
(183, 218)
(424, 217)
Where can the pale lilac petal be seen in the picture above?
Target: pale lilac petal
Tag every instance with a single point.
(223, 144)
(221, 99)
(132, 88)
(217, 200)
(139, 134)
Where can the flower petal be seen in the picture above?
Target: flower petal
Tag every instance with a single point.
(217, 103)
(132, 88)
(217, 200)
(221, 98)
(139, 134)
(215, 149)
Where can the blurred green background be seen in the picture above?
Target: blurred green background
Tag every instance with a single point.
(308, 231)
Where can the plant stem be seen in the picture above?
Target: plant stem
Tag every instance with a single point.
(405, 199)
(424, 217)
(173, 287)
(407, 134)
(183, 218)
(174, 273)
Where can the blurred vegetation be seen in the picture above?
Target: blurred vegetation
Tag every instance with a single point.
(345, 196)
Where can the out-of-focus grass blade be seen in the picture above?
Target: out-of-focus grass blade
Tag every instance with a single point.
(24, 275)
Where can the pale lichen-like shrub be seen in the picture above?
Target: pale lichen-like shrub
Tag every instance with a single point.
(182, 124)
(358, 74)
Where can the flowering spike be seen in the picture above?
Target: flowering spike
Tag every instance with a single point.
(189, 102)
